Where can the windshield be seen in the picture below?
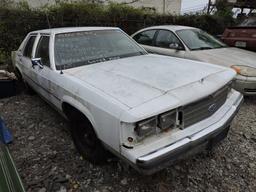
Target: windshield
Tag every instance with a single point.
(196, 39)
(84, 48)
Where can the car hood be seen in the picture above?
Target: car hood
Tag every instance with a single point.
(226, 56)
(137, 80)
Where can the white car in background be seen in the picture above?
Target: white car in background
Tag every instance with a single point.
(195, 44)
(147, 109)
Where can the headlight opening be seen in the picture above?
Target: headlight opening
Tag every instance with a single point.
(156, 124)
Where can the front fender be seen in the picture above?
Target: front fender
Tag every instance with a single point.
(82, 108)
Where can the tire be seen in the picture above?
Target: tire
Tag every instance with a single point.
(86, 141)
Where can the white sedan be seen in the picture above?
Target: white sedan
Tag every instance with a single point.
(147, 109)
(195, 44)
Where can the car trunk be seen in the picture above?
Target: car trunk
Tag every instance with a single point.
(240, 31)
(241, 36)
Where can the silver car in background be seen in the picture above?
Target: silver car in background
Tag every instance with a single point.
(196, 44)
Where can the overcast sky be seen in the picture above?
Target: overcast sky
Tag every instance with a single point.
(193, 5)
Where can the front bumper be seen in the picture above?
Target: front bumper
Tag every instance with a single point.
(156, 160)
(246, 86)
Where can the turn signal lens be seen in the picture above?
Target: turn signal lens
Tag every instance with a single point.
(237, 69)
(245, 70)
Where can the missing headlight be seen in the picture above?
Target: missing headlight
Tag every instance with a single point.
(146, 127)
(167, 120)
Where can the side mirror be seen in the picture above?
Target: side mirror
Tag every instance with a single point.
(38, 62)
(175, 46)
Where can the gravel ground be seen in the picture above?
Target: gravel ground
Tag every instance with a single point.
(47, 160)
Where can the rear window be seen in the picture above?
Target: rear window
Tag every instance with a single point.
(42, 50)
(29, 47)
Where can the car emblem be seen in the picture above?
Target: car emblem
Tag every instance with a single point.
(212, 107)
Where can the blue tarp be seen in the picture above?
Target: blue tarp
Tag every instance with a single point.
(5, 134)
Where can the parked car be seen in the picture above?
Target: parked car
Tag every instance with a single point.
(149, 110)
(242, 36)
(195, 44)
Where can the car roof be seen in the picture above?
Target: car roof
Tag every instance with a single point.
(169, 27)
(73, 29)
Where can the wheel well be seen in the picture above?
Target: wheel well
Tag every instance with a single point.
(73, 113)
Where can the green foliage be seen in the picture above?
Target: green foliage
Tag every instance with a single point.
(16, 20)
(2, 56)
(224, 9)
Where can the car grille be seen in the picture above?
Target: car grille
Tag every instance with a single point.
(202, 109)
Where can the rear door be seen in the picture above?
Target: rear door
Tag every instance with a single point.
(24, 56)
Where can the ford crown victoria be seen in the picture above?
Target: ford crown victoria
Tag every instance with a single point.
(149, 110)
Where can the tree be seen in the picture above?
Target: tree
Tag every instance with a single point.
(6, 3)
(223, 8)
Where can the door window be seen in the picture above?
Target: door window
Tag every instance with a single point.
(29, 47)
(166, 38)
(42, 50)
(146, 37)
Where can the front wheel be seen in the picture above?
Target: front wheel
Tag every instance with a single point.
(86, 141)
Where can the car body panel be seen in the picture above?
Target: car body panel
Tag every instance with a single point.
(137, 80)
(224, 56)
(176, 139)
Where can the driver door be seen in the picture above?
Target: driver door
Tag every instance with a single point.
(42, 73)
(167, 43)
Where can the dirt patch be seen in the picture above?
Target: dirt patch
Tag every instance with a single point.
(48, 161)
